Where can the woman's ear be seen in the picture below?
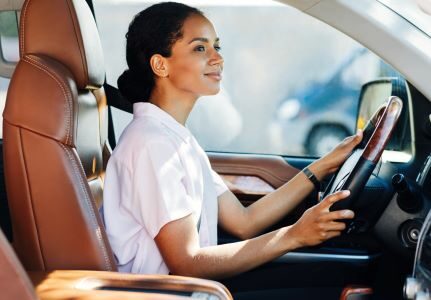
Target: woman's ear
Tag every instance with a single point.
(159, 65)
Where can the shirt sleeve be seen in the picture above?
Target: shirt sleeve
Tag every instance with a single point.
(219, 184)
(158, 192)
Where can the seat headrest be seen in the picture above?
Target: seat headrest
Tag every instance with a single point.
(43, 97)
(64, 30)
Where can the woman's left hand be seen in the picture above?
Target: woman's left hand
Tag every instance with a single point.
(334, 159)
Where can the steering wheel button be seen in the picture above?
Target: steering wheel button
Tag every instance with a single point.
(414, 234)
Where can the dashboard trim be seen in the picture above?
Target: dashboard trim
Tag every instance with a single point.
(304, 257)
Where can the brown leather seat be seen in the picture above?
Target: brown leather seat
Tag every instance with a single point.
(55, 150)
(14, 283)
(84, 285)
(55, 135)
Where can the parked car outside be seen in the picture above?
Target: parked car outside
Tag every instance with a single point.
(313, 120)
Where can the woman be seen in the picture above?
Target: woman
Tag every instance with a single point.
(162, 200)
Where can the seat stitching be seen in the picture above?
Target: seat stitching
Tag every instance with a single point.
(93, 216)
(62, 85)
(31, 202)
(66, 93)
(81, 183)
(23, 27)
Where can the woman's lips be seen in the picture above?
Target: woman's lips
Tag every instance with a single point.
(215, 75)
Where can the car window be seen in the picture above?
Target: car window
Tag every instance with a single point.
(290, 85)
(9, 51)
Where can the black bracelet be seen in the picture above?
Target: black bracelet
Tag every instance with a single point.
(310, 175)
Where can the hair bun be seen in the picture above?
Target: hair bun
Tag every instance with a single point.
(132, 87)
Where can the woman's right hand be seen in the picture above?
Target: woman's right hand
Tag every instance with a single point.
(318, 223)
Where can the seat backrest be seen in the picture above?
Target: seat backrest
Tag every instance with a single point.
(55, 137)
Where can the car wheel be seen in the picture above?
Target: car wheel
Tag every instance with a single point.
(324, 138)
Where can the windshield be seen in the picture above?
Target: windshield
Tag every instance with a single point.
(410, 10)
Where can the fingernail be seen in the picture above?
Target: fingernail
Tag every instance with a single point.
(348, 213)
(346, 193)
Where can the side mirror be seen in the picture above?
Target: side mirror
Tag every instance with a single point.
(373, 95)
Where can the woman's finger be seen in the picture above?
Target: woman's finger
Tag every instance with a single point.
(337, 215)
(331, 199)
(357, 138)
(332, 234)
(334, 226)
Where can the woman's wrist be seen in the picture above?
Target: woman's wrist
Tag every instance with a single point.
(312, 178)
(319, 169)
(293, 240)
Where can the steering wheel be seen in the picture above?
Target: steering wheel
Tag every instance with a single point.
(357, 169)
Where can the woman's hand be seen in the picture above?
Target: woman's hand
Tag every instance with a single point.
(333, 160)
(318, 224)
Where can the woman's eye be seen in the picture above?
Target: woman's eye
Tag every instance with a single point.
(217, 48)
(200, 48)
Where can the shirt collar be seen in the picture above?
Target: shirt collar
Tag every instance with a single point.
(146, 109)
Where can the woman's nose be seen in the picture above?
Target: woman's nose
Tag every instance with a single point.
(216, 58)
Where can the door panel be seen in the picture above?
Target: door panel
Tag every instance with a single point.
(271, 168)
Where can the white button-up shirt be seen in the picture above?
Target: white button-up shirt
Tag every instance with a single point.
(156, 174)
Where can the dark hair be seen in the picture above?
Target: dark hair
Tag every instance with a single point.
(152, 31)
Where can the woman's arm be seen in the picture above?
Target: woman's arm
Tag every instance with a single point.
(247, 222)
(178, 242)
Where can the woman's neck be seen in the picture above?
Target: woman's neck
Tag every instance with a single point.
(178, 106)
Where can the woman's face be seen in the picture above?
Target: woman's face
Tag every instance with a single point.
(196, 65)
